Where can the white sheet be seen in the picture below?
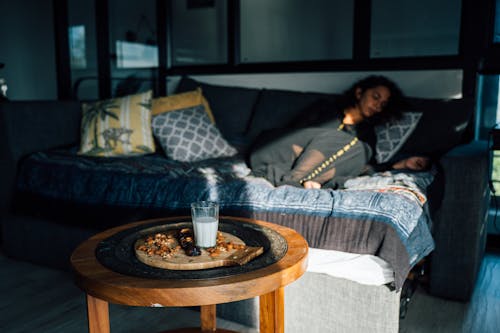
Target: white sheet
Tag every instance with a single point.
(362, 268)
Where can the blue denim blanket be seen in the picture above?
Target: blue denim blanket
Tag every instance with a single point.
(383, 215)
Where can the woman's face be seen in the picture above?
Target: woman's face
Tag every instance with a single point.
(372, 100)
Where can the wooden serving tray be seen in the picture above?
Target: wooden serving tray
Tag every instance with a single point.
(180, 261)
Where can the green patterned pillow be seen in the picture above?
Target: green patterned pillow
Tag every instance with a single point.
(188, 135)
(117, 127)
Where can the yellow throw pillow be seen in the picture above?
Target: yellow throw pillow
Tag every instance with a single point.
(183, 100)
(117, 127)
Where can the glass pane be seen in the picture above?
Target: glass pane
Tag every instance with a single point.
(415, 28)
(296, 30)
(487, 105)
(199, 32)
(78, 56)
(495, 173)
(488, 115)
(133, 45)
(83, 49)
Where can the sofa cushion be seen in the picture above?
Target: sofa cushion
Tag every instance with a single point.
(442, 126)
(393, 134)
(117, 127)
(231, 106)
(181, 101)
(188, 135)
(278, 108)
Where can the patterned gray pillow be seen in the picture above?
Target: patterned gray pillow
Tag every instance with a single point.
(393, 134)
(187, 135)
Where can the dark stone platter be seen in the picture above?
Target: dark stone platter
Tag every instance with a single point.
(117, 251)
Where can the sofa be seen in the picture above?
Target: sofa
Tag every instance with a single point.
(43, 220)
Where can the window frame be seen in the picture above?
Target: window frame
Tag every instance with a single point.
(474, 33)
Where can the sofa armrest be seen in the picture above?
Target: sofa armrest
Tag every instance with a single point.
(459, 228)
(30, 126)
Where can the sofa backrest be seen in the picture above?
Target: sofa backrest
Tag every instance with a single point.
(232, 107)
(29, 126)
(443, 125)
(277, 108)
(241, 114)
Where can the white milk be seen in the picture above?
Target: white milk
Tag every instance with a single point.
(205, 231)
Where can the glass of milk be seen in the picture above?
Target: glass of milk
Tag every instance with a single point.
(205, 216)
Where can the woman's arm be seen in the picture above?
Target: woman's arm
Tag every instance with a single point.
(416, 163)
(311, 184)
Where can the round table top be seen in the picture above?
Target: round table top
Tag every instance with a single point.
(103, 283)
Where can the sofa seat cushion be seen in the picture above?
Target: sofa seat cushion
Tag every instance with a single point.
(366, 220)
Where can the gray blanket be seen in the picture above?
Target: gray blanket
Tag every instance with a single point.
(383, 215)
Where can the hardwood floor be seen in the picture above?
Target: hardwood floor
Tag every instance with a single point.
(38, 299)
(480, 315)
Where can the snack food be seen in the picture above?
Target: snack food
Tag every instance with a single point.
(186, 240)
(175, 249)
(164, 245)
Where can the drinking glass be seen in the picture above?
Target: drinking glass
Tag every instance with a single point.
(205, 217)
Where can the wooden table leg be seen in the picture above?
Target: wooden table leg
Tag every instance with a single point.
(97, 315)
(272, 311)
(208, 316)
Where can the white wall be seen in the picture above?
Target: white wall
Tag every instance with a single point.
(27, 48)
(425, 83)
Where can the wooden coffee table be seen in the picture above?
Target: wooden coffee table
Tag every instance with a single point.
(103, 285)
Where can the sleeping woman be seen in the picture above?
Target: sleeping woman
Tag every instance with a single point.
(337, 144)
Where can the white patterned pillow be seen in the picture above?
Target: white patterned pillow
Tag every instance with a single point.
(188, 135)
(393, 134)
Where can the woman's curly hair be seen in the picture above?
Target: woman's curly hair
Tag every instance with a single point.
(393, 107)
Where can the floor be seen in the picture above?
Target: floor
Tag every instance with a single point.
(42, 300)
(38, 299)
(480, 315)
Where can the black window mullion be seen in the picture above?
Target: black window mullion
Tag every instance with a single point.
(489, 62)
(233, 32)
(103, 54)
(476, 21)
(168, 32)
(161, 36)
(362, 30)
(63, 65)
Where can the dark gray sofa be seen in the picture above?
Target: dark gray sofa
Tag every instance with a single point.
(460, 228)
(458, 212)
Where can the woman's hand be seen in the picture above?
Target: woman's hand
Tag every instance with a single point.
(416, 163)
(310, 184)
